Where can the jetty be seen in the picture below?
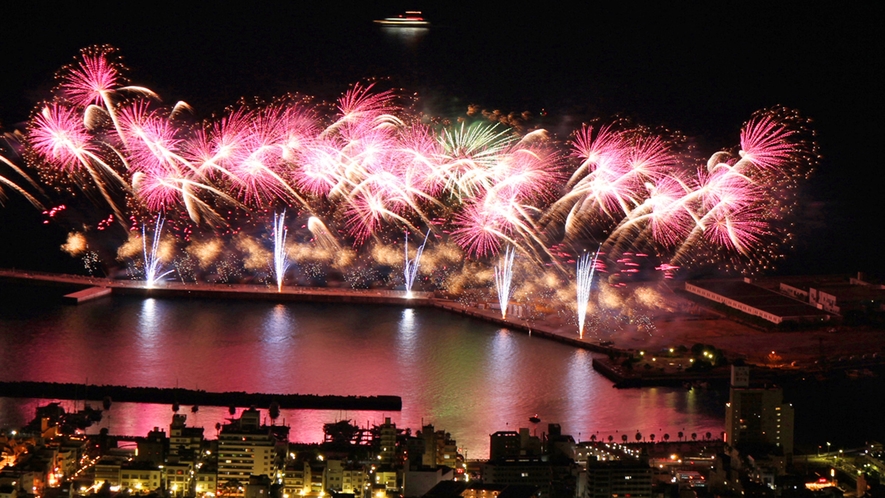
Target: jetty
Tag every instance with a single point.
(88, 294)
(54, 390)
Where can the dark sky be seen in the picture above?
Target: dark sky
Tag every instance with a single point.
(702, 68)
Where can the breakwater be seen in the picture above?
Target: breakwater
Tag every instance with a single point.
(54, 390)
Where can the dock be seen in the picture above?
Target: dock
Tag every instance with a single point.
(88, 294)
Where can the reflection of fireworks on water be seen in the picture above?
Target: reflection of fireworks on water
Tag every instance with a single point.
(503, 279)
(353, 173)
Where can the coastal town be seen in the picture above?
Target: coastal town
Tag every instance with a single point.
(53, 456)
(56, 455)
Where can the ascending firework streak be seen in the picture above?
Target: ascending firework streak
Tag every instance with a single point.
(410, 268)
(586, 268)
(152, 267)
(280, 259)
(503, 277)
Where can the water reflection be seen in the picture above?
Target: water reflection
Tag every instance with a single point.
(466, 377)
(147, 320)
(410, 37)
(276, 338)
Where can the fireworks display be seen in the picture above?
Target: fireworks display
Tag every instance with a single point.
(355, 173)
(504, 279)
(410, 265)
(280, 254)
(153, 266)
(585, 270)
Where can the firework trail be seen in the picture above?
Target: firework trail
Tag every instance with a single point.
(410, 267)
(12, 146)
(585, 271)
(153, 269)
(280, 255)
(503, 279)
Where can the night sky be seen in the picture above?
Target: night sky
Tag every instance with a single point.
(701, 68)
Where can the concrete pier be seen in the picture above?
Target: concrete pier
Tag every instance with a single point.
(88, 294)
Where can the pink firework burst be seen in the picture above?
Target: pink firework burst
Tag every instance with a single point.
(765, 143)
(58, 136)
(153, 143)
(483, 225)
(92, 77)
(670, 221)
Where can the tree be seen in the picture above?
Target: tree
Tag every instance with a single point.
(232, 410)
(666, 437)
(652, 437)
(273, 411)
(176, 407)
(341, 432)
(638, 437)
(610, 438)
(593, 437)
(680, 435)
(624, 438)
(694, 436)
(106, 404)
(708, 436)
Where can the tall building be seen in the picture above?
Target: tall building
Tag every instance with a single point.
(387, 436)
(245, 449)
(511, 444)
(757, 416)
(183, 438)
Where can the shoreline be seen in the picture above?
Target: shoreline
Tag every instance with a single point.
(545, 328)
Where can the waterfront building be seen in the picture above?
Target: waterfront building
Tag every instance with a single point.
(439, 447)
(107, 470)
(757, 417)
(386, 479)
(559, 445)
(183, 439)
(510, 444)
(140, 476)
(296, 478)
(178, 478)
(757, 301)
(836, 295)
(153, 448)
(387, 439)
(246, 448)
(343, 477)
(205, 478)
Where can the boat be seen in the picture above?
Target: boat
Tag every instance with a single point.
(409, 19)
(534, 419)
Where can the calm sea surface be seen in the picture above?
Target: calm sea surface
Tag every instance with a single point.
(464, 376)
